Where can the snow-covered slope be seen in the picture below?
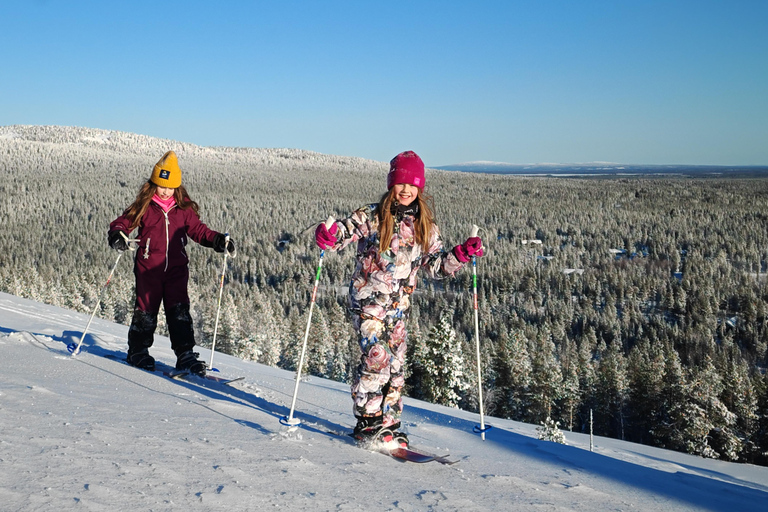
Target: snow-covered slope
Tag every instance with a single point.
(92, 433)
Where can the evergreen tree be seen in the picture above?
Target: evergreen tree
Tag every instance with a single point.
(613, 387)
(346, 351)
(550, 431)
(444, 378)
(671, 431)
(290, 354)
(416, 370)
(706, 389)
(571, 393)
(229, 334)
(587, 375)
(546, 379)
(739, 397)
(512, 367)
(319, 346)
(645, 371)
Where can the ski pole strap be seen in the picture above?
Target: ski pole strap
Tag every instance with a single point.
(132, 243)
(479, 430)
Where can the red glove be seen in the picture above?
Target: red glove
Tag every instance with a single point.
(472, 247)
(324, 237)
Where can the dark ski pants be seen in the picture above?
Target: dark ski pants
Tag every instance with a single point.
(169, 288)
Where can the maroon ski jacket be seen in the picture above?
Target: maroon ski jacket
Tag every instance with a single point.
(163, 236)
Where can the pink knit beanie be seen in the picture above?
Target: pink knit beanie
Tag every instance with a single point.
(408, 168)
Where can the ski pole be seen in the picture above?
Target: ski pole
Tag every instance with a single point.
(75, 348)
(218, 307)
(289, 420)
(481, 429)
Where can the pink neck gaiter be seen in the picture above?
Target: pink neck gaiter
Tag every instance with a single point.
(165, 205)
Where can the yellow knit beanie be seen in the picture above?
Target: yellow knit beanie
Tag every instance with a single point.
(167, 172)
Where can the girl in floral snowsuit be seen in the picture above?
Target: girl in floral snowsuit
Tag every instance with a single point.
(395, 238)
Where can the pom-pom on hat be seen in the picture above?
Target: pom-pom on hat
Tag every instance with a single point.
(408, 168)
(167, 172)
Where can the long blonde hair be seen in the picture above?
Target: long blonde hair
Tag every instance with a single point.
(425, 220)
(138, 208)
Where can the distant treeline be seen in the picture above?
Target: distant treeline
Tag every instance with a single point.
(642, 300)
(609, 170)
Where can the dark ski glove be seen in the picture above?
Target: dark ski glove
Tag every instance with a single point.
(117, 241)
(218, 244)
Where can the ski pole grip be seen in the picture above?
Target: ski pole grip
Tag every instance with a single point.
(132, 243)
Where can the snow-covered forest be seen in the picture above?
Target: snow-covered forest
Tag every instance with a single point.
(645, 302)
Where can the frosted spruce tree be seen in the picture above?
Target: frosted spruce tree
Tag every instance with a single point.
(546, 379)
(264, 332)
(550, 431)
(512, 369)
(443, 364)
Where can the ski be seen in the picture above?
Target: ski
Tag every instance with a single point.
(418, 452)
(406, 454)
(172, 373)
(410, 454)
(175, 374)
(413, 454)
(223, 380)
(215, 378)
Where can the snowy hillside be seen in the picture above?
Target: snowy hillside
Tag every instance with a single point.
(91, 433)
(111, 145)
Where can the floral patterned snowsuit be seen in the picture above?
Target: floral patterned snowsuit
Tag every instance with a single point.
(380, 299)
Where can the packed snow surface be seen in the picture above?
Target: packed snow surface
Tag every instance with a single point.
(91, 433)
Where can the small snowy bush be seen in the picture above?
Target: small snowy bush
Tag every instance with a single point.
(549, 431)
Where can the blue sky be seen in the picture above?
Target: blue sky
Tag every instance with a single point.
(655, 82)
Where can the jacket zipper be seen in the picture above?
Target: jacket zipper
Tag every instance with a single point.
(167, 237)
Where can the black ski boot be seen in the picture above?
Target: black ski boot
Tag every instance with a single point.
(141, 359)
(140, 337)
(367, 429)
(182, 336)
(188, 361)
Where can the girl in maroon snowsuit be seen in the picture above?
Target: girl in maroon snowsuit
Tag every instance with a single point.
(395, 238)
(166, 218)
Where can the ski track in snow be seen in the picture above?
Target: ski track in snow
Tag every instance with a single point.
(92, 433)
